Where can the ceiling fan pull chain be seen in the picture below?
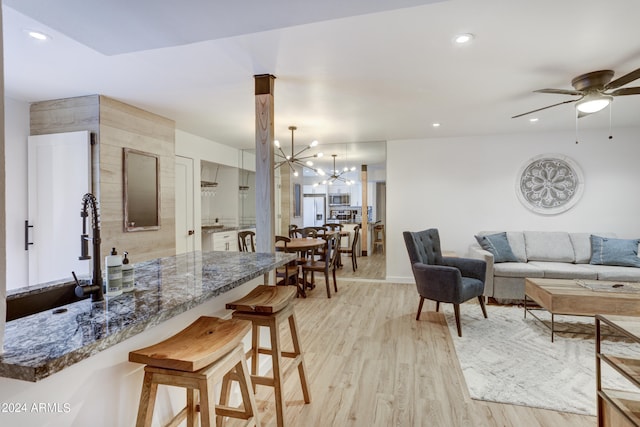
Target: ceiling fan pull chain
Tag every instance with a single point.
(610, 115)
(576, 110)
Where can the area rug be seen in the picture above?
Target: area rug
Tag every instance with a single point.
(509, 359)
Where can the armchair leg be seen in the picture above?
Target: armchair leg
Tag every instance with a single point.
(420, 308)
(484, 310)
(456, 310)
(437, 306)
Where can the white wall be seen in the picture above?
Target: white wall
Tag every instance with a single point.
(465, 185)
(16, 133)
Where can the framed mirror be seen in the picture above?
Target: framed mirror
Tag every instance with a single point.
(141, 190)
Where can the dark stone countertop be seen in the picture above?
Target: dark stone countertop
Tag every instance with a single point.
(39, 345)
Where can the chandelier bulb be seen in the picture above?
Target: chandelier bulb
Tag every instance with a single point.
(276, 143)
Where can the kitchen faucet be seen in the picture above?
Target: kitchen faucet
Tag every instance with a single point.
(95, 288)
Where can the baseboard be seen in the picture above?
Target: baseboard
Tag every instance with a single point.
(400, 279)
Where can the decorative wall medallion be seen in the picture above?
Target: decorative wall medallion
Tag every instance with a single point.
(550, 184)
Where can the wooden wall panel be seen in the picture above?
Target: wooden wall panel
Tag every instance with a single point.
(118, 125)
(122, 125)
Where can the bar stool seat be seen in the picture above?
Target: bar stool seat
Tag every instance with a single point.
(270, 306)
(206, 352)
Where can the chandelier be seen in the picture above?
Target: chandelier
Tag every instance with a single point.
(336, 175)
(296, 159)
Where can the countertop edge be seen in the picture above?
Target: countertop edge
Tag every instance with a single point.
(57, 364)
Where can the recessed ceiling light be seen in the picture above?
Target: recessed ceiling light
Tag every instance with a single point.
(38, 35)
(535, 119)
(436, 125)
(463, 38)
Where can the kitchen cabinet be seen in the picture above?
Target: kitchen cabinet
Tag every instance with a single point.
(225, 241)
(616, 407)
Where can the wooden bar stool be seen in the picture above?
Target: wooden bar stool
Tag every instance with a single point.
(206, 352)
(269, 306)
(378, 236)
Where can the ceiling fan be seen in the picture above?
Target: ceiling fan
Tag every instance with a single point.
(592, 89)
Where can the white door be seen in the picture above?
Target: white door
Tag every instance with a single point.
(59, 167)
(185, 231)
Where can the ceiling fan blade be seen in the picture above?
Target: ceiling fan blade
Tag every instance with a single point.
(560, 91)
(544, 108)
(626, 91)
(582, 114)
(621, 81)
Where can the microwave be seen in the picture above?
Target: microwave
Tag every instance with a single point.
(339, 199)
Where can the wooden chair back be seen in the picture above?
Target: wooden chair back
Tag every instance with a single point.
(246, 241)
(333, 227)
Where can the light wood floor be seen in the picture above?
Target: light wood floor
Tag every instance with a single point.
(370, 363)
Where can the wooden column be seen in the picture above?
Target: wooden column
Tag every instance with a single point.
(365, 218)
(265, 190)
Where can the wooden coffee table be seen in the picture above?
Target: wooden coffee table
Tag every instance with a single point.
(565, 296)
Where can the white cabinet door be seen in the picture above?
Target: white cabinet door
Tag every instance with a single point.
(225, 241)
(59, 175)
(185, 228)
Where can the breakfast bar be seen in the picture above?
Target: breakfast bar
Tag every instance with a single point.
(86, 344)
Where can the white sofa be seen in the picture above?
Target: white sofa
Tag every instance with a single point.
(555, 255)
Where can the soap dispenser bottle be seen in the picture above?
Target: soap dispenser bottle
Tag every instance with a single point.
(128, 279)
(113, 265)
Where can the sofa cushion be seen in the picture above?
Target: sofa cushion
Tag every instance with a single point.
(498, 245)
(611, 272)
(516, 242)
(609, 251)
(517, 269)
(565, 270)
(548, 246)
(582, 245)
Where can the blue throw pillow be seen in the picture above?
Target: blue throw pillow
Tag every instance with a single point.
(499, 246)
(608, 251)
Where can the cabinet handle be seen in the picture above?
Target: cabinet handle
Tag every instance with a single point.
(26, 235)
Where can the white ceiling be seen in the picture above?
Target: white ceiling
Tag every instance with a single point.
(354, 71)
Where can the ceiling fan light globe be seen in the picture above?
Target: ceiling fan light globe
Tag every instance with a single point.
(593, 104)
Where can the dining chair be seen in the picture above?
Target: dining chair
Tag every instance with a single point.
(333, 226)
(352, 250)
(288, 274)
(310, 232)
(295, 233)
(326, 264)
(243, 237)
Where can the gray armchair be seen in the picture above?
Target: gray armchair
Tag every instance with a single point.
(443, 279)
